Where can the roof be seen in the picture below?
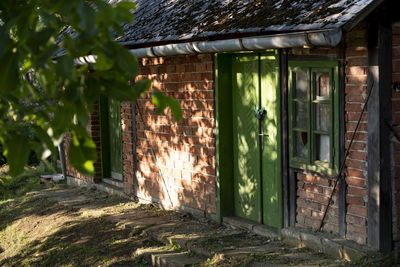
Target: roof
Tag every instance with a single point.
(171, 21)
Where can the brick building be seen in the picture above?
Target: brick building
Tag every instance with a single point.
(271, 93)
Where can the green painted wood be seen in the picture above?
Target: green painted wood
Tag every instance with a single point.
(271, 152)
(224, 142)
(115, 134)
(311, 164)
(246, 154)
(104, 138)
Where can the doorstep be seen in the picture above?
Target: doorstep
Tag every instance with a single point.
(322, 242)
(113, 182)
(110, 188)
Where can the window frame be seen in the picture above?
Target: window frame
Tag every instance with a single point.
(310, 163)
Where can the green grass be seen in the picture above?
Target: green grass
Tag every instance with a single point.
(26, 182)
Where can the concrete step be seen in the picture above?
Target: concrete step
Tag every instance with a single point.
(167, 257)
(259, 229)
(113, 182)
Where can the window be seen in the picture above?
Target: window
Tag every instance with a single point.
(313, 116)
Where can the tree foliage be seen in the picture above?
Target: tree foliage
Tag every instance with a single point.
(42, 87)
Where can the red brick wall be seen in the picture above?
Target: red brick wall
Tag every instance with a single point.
(184, 151)
(313, 194)
(93, 129)
(312, 191)
(356, 164)
(127, 147)
(396, 121)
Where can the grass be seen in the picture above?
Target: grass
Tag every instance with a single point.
(26, 182)
(36, 231)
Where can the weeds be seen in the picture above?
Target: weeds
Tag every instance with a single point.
(28, 181)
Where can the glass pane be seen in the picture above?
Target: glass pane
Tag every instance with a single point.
(300, 144)
(322, 86)
(322, 117)
(301, 115)
(323, 148)
(301, 85)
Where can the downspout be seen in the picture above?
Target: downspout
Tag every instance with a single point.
(321, 38)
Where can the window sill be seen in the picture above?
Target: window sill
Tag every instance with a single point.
(317, 170)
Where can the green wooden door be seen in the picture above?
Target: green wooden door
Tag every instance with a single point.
(115, 139)
(246, 167)
(256, 157)
(271, 152)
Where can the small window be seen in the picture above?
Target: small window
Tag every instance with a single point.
(313, 107)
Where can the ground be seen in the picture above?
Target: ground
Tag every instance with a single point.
(69, 226)
(65, 226)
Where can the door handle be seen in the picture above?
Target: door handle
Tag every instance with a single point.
(259, 113)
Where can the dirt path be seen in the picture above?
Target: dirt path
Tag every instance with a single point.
(83, 227)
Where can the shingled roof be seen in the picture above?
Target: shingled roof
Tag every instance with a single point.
(171, 21)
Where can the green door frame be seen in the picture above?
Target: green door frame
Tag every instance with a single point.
(105, 135)
(224, 137)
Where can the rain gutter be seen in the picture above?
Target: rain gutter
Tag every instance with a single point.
(317, 38)
(320, 38)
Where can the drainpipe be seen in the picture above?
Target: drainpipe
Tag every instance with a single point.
(320, 38)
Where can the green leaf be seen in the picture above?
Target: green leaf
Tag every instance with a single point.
(175, 107)
(17, 153)
(126, 5)
(105, 9)
(92, 91)
(9, 73)
(40, 38)
(139, 88)
(46, 142)
(65, 67)
(44, 56)
(88, 16)
(127, 62)
(82, 152)
(82, 115)
(4, 43)
(103, 62)
(161, 101)
(63, 117)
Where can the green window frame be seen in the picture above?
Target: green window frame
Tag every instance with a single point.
(314, 116)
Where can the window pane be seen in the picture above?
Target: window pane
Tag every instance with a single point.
(301, 85)
(300, 143)
(301, 115)
(322, 117)
(322, 86)
(323, 148)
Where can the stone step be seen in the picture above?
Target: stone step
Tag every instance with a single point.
(167, 257)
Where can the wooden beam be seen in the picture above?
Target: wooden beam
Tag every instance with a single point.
(134, 138)
(292, 197)
(379, 146)
(341, 53)
(285, 137)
